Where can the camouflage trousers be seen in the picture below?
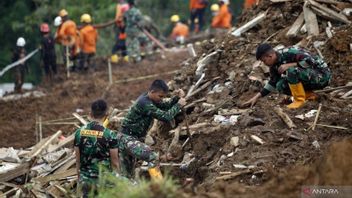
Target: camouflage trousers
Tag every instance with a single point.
(131, 150)
(312, 79)
(134, 42)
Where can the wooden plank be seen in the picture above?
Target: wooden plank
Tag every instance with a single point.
(58, 176)
(296, 26)
(337, 16)
(249, 25)
(80, 118)
(66, 166)
(310, 20)
(323, 14)
(284, 117)
(279, 1)
(15, 172)
(49, 141)
(333, 89)
(328, 1)
(62, 143)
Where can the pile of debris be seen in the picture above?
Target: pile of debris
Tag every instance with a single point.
(248, 145)
(47, 168)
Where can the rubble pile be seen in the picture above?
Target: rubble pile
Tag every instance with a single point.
(249, 146)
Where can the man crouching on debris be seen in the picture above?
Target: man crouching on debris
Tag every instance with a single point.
(96, 149)
(140, 117)
(293, 71)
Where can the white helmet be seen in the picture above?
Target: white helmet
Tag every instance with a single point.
(20, 42)
(225, 1)
(57, 21)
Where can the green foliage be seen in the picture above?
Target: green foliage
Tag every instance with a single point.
(23, 18)
(111, 186)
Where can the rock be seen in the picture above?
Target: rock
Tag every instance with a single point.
(249, 121)
(149, 140)
(235, 141)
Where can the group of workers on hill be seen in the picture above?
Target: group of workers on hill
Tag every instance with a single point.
(132, 40)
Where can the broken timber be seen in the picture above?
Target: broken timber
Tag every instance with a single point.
(296, 26)
(249, 25)
(311, 21)
(284, 117)
(332, 13)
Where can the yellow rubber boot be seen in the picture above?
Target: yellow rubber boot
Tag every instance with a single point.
(299, 96)
(155, 173)
(310, 95)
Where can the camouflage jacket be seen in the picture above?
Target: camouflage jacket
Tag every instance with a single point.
(140, 116)
(94, 143)
(133, 18)
(303, 58)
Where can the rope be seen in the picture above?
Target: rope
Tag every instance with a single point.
(12, 65)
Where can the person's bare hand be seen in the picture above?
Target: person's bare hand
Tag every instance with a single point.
(182, 102)
(180, 93)
(251, 102)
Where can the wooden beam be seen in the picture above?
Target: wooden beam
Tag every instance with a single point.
(284, 117)
(296, 26)
(337, 16)
(58, 176)
(310, 20)
(279, 1)
(15, 172)
(63, 143)
(249, 25)
(333, 89)
(49, 141)
(80, 118)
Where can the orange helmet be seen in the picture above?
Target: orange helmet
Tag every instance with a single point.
(44, 27)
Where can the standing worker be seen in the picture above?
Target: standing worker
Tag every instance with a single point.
(249, 3)
(293, 71)
(89, 37)
(48, 55)
(180, 30)
(22, 68)
(135, 36)
(140, 117)
(120, 33)
(68, 35)
(197, 8)
(223, 17)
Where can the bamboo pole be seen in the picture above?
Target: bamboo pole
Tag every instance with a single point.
(316, 117)
(40, 129)
(110, 72)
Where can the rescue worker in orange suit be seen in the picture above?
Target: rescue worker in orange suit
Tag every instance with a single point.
(68, 35)
(120, 44)
(89, 37)
(223, 16)
(197, 8)
(180, 30)
(249, 3)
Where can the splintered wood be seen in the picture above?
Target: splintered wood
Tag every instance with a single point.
(284, 117)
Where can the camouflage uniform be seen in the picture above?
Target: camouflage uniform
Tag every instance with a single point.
(94, 142)
(140, 118)
(135, 37)
(311, 71)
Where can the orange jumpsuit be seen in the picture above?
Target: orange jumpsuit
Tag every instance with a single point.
(223, 18)
(196, 4)
(89, 37)
(249, 3)
(180, 29)
(68, 36)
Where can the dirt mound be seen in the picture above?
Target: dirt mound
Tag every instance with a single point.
(225, 138)
(330, 170)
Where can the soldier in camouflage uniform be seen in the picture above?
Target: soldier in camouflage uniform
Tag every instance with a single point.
(140, 117)
(293, 71)
(96, 148)
(135, 36)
